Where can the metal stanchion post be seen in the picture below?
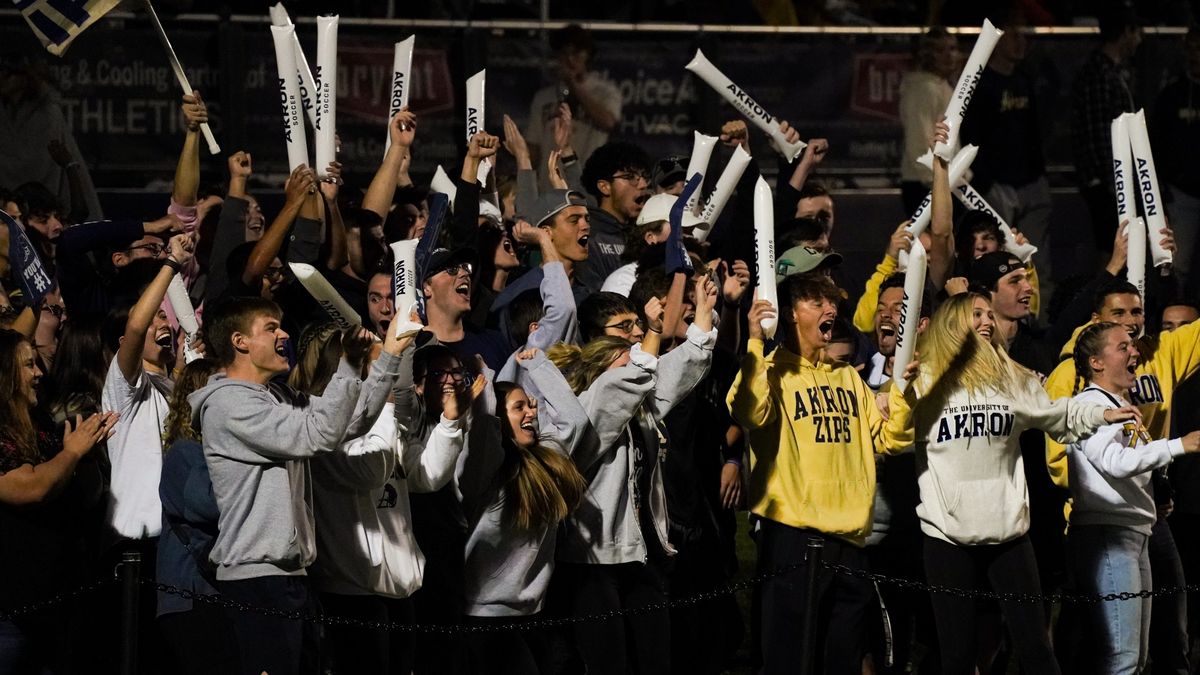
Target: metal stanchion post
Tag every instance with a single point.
(808, 643)
(128, 571)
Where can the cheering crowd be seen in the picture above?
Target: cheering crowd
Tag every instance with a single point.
(562, 436)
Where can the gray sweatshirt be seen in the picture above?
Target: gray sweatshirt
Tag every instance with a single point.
(558, 324)
(621, 402)
(257, 440)
(507, 570)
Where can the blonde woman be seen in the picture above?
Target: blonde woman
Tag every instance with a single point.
(964, 413)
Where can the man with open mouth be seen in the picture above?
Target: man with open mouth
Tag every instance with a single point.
(812, 426)
(447, 289)
(618, 176)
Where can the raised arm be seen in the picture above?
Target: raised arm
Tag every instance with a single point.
(941, 224)
(187, 171)
(682, 368)
(402, 129)
(231, 224)
(749, 399)
(611, 402)
(864, 311)
(301, 184)
(129, 354)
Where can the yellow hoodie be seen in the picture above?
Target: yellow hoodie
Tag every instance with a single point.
(812, 430)
(1164, 363)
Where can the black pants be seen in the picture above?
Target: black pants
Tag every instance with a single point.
(1168, 613)
(909, 611)
(1185, 528)
(511, 652)
(638, 643)
(1008, 568)
(844, 603)
(201, 641)
(363, 651)
(274, 644)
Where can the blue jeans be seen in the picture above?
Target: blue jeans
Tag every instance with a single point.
(1109, 559)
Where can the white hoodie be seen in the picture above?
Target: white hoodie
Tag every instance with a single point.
(365, 543)
(969, 466)
(1110, 472)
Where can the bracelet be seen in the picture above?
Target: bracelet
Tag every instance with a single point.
(71, 165)
(568, 160)
(173, 264)
(659, 331)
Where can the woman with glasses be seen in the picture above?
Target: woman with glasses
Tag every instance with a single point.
(614, 548)
(438, 394)
(48, 480)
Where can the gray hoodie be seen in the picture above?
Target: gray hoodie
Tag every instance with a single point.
(621, 402)
(257, 440)
(507, 570)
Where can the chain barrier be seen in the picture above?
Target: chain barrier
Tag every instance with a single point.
(59, 599)
(687, 601)
(975, 594)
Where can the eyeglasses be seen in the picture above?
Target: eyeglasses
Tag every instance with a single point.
(453, 270)
(457, 374)
(275, 273)
(627, 325)
(56, 310)
(154, 250)
(633, 176)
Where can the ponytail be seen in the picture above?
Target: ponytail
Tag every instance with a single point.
(1089, 344)
(581, 366)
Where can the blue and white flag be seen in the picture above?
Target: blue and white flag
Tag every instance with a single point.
(25, 263)
(57, 22)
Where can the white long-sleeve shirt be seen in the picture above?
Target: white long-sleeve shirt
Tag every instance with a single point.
(1110, 472)
(365, 542)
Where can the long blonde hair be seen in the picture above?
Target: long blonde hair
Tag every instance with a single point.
(542, 485)
(581, 366)
(317, 358)
(954, 356)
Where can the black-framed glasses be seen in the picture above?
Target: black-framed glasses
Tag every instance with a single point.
(275, 273)
(628, 325)
(457, 374)
(632, 176)
(57, 310)
(154, 250)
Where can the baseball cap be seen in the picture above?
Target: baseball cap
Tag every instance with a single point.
(551, 202)
(801, 259)
(991, 267)
(669, 170)
(659, 207)
(442, 258)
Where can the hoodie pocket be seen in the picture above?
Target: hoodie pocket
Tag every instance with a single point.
(988, 510)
